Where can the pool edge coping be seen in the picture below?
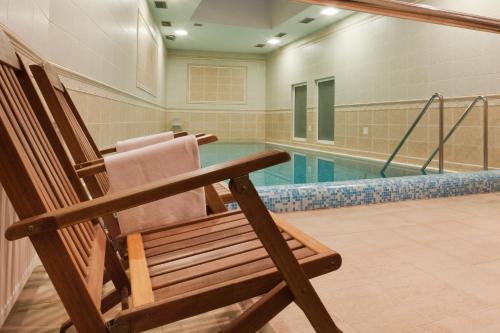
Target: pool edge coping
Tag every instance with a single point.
(313, 196)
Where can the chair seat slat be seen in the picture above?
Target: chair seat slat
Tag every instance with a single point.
(186, 272)
(158, 257)
(224, 276)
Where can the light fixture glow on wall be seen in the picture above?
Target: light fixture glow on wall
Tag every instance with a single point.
(329, 11)
(180, 32)
(274, 41)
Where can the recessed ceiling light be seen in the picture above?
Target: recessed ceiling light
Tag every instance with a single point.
(198, 24)
(180, 32)
(166, 23)
(329, 11)
(170, 37)
(281, 34)
(260, 45)
(274, 41)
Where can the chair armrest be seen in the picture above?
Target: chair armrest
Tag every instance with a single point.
(112, 149)
(108, 150)
(144, 194)
(91, 168)
(179, 134)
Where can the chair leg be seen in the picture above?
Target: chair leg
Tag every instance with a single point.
(266, 229)
(214, 202)
(65, 326)
(262, 311)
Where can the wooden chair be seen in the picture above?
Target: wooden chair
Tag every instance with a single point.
(84, 151)
(175, 272)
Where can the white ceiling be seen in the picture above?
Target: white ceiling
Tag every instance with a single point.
(239, 25)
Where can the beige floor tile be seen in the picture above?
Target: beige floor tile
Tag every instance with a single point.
(416, 266)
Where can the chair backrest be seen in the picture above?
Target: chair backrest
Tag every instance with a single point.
(38, 181)
(75, 134)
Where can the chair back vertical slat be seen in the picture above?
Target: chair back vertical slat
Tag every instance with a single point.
(32, 118)
(38, 181)
(21, 112)
(76, 136)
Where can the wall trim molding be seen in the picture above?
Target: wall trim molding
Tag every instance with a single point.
(191, 110)
(454, 102)
(206, 55)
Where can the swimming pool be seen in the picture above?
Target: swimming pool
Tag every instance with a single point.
(305, 166)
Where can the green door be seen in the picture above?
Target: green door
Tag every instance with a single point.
(300, 112)
(326, 108)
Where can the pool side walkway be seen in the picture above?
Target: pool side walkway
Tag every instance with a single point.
(415, 266)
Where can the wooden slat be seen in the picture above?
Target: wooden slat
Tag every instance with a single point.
(195, 224)
(196, 233)
(211, 267)
(140, 283)
(196, 259)
(204, 238)
(157, 256)
(96, 267)
(224, 276)
(73, 252)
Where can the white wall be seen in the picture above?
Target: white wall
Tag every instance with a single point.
(377, 59)
(177, 79)
(231, 122)
(95, 38)
(96, 41)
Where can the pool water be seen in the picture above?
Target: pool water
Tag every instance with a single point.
(304, 167)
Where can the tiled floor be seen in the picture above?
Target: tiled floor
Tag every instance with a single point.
(416, 266)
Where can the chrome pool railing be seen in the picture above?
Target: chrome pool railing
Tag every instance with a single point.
(412, 127)
(457, 124)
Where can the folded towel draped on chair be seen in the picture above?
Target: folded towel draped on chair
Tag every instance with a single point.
(152, 163)
(143, 141)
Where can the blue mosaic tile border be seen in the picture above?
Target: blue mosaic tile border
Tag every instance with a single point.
(291, 198)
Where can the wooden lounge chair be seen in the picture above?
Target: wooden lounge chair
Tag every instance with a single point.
(84, 151)
(175, 272)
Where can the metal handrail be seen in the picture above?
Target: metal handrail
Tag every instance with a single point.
(414, 12)
(415, 123)
(460, 120)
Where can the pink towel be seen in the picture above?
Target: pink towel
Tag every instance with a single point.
(145, 165)
(143, 141)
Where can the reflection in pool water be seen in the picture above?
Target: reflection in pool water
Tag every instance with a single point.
(304, 167)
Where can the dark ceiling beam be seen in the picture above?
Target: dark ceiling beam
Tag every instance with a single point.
(415, 12)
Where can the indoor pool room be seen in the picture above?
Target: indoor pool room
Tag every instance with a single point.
(236, 166)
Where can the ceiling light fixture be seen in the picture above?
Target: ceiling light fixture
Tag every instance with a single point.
(329, 11)
(274, 41)
(180, 32)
